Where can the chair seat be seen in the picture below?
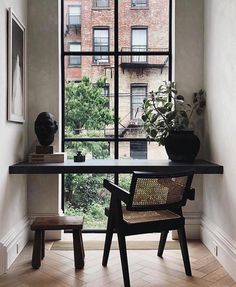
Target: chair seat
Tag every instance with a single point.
(57, 223)
(132, 217)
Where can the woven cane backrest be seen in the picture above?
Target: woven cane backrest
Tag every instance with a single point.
(153, 191)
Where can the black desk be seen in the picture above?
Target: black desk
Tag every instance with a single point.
(115, 166)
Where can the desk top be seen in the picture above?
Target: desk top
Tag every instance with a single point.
(113, 166)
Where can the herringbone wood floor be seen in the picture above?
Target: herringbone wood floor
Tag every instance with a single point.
(146, 269)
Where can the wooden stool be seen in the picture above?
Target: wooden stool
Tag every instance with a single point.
(40, 224)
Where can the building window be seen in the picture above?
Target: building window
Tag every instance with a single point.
(100, 3)
(138, 94)
(106, 93)
(139, 3)
(74, 15)
(75, 60)
(138, 150)
(139, 43)
(101, 44)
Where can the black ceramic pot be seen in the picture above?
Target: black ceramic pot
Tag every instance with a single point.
(182, 146)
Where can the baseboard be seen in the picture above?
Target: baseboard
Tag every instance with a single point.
(220, 245)
(192, 225)
(12, 244)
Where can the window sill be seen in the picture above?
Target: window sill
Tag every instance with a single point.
(74, 66)
(139, 8)
(101, 8)
(101, 64)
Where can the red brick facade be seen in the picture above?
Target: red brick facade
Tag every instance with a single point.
(153, 18)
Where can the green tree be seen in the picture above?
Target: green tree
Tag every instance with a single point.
(86, 107)
(86, 110)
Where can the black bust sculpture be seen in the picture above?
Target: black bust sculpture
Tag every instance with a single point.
(45, 127)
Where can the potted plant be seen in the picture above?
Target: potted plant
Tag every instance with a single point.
(168, 118)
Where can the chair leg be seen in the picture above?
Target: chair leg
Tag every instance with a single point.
(37, 249)
(184, 250)
(78, 249)
(43, 244)
(162, 243)
(108, 240)
(124, 259)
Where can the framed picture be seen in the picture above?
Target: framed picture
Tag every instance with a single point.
(16, 69)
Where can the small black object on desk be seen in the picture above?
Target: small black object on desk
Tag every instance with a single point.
(79, 157)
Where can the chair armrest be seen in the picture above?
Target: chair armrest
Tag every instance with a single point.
(191, 194)
(119, 192)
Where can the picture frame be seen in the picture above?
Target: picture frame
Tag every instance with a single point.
(16, 69)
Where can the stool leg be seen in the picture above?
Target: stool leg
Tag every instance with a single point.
(37, 249)
(43, 244)
(78, 249)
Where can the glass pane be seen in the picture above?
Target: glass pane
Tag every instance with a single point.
(125, 181)
(75, 60)
(84, 193)
(82, 17)
(144, 24)
(142, 150)
(85, 196)
(100, 3)
(139, 3)
(89, 98)
(136, 80)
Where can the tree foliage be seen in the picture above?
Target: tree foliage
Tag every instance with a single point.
(87, 113)
(86, 106)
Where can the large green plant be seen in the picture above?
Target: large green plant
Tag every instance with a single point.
(166, 110)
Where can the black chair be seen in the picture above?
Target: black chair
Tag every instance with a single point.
(153, 204)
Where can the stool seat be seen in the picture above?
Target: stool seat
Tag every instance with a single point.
(40, 224)
(57, 223)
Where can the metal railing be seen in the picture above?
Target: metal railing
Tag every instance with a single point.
(158, 61)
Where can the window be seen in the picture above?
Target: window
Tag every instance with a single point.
(75, 60)
(138, 94)
(121, 58)
(100, 3)
(74, 16)
(139, 43)
(101, 44)
(139, 3)
(106, 93)
(138, 150)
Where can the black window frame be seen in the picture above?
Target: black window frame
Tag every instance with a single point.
(117, 54)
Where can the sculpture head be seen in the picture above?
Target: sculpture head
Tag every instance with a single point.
(45, 127)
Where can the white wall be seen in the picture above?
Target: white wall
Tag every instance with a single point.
(188, 75)
(13, 195)
(219, 200)
(44, 96)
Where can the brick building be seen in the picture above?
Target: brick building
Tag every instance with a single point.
(143, 26)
